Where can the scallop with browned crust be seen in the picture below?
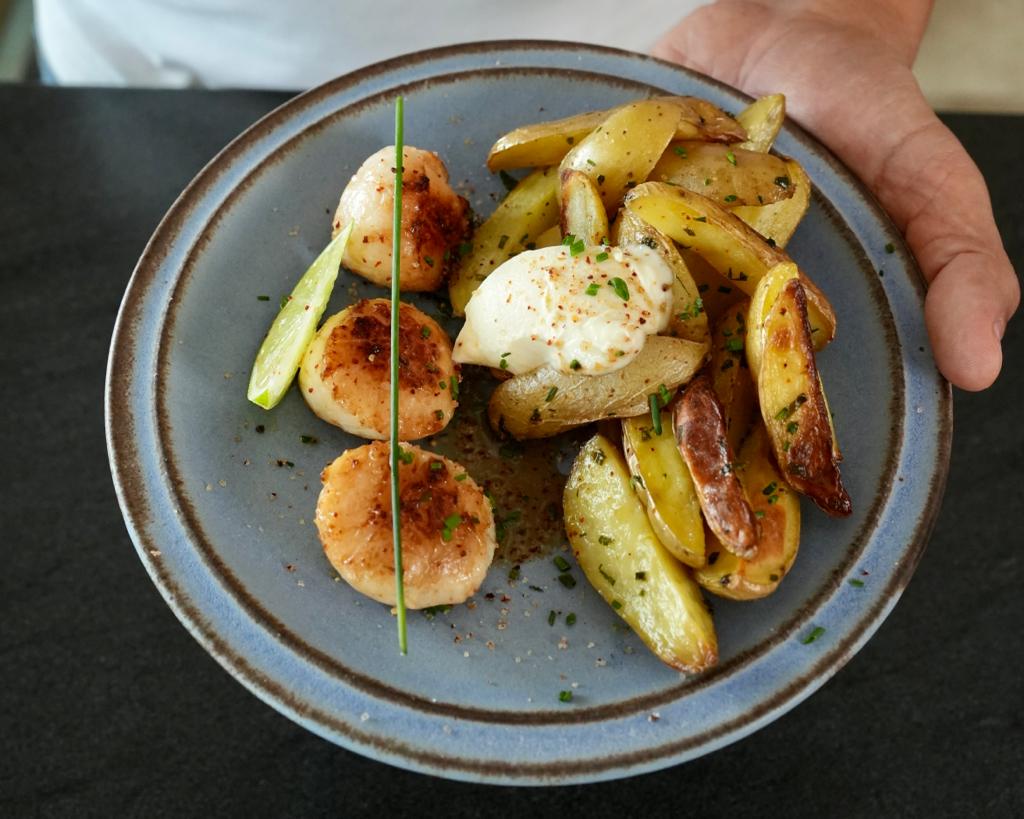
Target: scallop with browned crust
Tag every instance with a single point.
(435, 219)
(448, 533)
(345, 375)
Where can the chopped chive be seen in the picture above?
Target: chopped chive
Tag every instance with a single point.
(654, 404)
(453, 387)
(732, 197)
(601, 257)
(730, 157)
(782, 181)
(577, 247)
(502, 241)
(404, 455)
(855, 582)
(759, 513)
(561, 563)
(604, 540)
(307, 439)
(792, 427)
(734, 345)
(263, 298)
(425, 331)
(284, 301)
(513, 574)
(552, 617)
(890, 247)
(592, 289)
(816, 632)
(590, 161)
(439, 415)
(640, 575)
(769, 488)
(574, 364)
(664, 395)
(462, 476)
(450, 524)
(565, 696)
(551, 393)
(436, 466)
(616, 604)
(680, 151)
(567, 580)
(620, 288)
(429, 261)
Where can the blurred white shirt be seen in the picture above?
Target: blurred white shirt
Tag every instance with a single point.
(296, 44)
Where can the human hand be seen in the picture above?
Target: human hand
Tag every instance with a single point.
(845, 71)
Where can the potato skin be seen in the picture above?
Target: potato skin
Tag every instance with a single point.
(521, 406)
(700, 431)
(793, 404)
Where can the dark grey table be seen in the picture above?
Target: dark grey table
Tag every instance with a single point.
(109, 708)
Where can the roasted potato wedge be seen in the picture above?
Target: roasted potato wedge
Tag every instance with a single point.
(530, 209)
(789, 389)
(582, 211)
(628, 566)
(699, 426)
(738, 253)
(550, 237)
(689, 319)
(621, 152)
(544, 402)
(730, 374)
(725, 174)
(546, 143)
(779, 221)
(762, 120)
(777, 509)
(662, 481)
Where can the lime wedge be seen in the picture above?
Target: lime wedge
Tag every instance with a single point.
(281, 352)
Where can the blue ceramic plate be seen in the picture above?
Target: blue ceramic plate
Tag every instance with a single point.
(219, 495)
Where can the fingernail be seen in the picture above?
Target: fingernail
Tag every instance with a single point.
(999, 327)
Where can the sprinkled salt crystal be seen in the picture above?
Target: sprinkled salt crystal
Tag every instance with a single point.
(363, 717)
(600, 662)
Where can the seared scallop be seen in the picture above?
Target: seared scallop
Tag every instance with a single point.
(345, 375)
(435, 219)
(448, 534)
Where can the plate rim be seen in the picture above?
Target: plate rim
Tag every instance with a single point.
(120, 426)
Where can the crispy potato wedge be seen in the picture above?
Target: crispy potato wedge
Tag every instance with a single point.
(780, 220)
(777, 509)
(621, 152)
(582, 211)
(530, 209)
(662, 481)
(790, 391)
(730, 246)
(627, 565)
(544, 402)
(689, 319)
(546, 143)
(724, 174)
(699, 426)
(762, 120)
(730, 374)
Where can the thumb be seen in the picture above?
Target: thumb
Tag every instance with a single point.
(968, 304)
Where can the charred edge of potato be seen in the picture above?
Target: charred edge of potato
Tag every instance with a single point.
(730, 372)
(801, 431)
(701, 435)
(582, 211)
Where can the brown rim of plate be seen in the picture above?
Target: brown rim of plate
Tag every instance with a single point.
(128, 472)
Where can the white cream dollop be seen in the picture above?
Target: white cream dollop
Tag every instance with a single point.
(548, 307)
